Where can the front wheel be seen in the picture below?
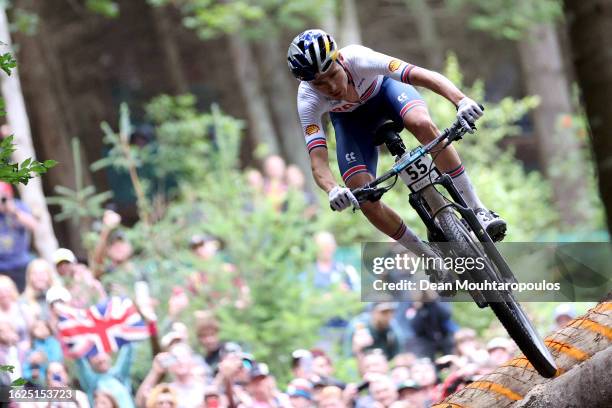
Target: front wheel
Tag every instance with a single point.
(503, 303)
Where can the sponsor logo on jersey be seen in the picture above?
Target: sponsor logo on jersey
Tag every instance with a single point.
(394, 65)
(311, 129)
(350, 157)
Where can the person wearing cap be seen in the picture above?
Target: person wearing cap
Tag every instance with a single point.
(262, 389)
(300, 393)
(84, 288)
(500, 350)
(113, 250)
(374, 330)
(16, 227)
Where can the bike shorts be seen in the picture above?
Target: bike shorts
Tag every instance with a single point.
(355, 130)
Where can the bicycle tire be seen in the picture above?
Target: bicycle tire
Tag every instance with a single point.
(508, 311)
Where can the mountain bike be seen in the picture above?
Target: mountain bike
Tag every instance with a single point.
(452, 221)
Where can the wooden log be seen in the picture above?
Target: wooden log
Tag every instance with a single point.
(575, 343)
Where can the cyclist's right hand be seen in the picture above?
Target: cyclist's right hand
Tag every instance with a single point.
(341, 198)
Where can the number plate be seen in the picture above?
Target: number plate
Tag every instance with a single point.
(416, 175)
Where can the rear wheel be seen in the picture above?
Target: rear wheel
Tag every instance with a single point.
(503, 303)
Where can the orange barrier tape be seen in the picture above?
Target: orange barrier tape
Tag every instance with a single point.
(520, 362)
(604, 307)
(565, 348)
(496, 388)
(584, 323)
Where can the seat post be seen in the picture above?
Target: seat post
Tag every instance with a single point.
(388, 134)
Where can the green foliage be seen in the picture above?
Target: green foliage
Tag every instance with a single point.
(82, 202)
(269, 249)
(10, 369)
(509, 18)
(19, 173)
(7, 62)
(251, 18)
(107, 8)
(522, 198)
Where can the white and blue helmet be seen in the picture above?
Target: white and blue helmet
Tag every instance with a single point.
(310, 53)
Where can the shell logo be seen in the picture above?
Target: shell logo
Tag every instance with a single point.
(311, 129)
(394, 65)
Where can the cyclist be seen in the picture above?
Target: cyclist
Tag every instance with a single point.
(361, 89)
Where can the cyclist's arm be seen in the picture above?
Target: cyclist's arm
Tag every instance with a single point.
(381, 64)
(436, 82)
(319, 163)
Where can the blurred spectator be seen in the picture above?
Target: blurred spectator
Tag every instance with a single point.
(297, 183)
(563, 314)
(57, 377)
(327, 270)
(469, 347)
(374, 361)
(85, 290)
(255, 180)
(500, 350)
(45, 350)
(275, 186)
(96, 372)
(103, 399)
(9, 353)
(180, 364)
(162, 396)
(322, 364)
(300, 393)
(383, 390)
(330, 397)
(412, 393)
(262, 389)
(432, 326)
(423, 372)
(374, 330)
(301, 364)
(14, 312)
(207, 332)
(206, 248)
(40, 276)
(113, 251)
(16, 227)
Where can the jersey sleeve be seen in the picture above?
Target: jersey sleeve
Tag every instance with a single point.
(376, 63)
(310, 110)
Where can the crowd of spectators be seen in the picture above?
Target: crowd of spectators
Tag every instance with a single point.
(407, 355)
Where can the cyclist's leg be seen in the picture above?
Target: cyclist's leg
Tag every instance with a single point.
(409, 106)
(357, 160)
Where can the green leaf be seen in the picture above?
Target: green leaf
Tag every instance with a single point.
(18, 382)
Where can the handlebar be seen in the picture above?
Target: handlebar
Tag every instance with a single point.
(370, 191)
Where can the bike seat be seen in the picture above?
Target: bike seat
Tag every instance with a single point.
(387, 132)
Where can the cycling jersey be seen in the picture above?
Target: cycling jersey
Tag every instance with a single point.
(380, 99)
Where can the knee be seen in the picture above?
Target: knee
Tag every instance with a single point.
(419, 123)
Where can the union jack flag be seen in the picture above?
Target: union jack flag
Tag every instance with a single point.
(104, 327)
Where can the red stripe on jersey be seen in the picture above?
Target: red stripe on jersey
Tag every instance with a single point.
(354, 170)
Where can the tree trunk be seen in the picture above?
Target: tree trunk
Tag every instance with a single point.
(170, 49)
(577, 342)
(50, 112)
(428, 34)
(32, 194)
(350, 30)
(590, 28)
(282, 96)
(329, 19)
(247, 80)
(542, 64)
(569, 391)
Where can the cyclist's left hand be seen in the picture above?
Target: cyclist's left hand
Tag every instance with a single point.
(468, 112)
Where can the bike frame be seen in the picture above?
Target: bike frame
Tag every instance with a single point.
(416, 199)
